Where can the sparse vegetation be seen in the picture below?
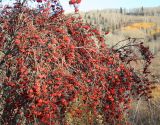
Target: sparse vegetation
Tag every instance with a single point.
(148, 28)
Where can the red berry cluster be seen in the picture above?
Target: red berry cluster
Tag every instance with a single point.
(50, 63)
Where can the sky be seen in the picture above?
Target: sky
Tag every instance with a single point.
(104, 4)
(87, 5)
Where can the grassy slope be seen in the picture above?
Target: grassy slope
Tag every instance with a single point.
(143, 113)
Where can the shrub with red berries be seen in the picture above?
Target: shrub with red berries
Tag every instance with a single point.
(51, 62)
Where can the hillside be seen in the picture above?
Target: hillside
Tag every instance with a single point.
(134, 23)
(121, 25)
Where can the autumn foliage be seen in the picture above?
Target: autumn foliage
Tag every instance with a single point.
(51, 63)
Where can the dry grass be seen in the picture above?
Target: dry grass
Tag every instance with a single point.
(156, 94)
(155, 31)
(148, 113)
(141, 25)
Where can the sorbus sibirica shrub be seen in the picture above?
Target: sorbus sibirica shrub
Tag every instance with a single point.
(50, 63)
